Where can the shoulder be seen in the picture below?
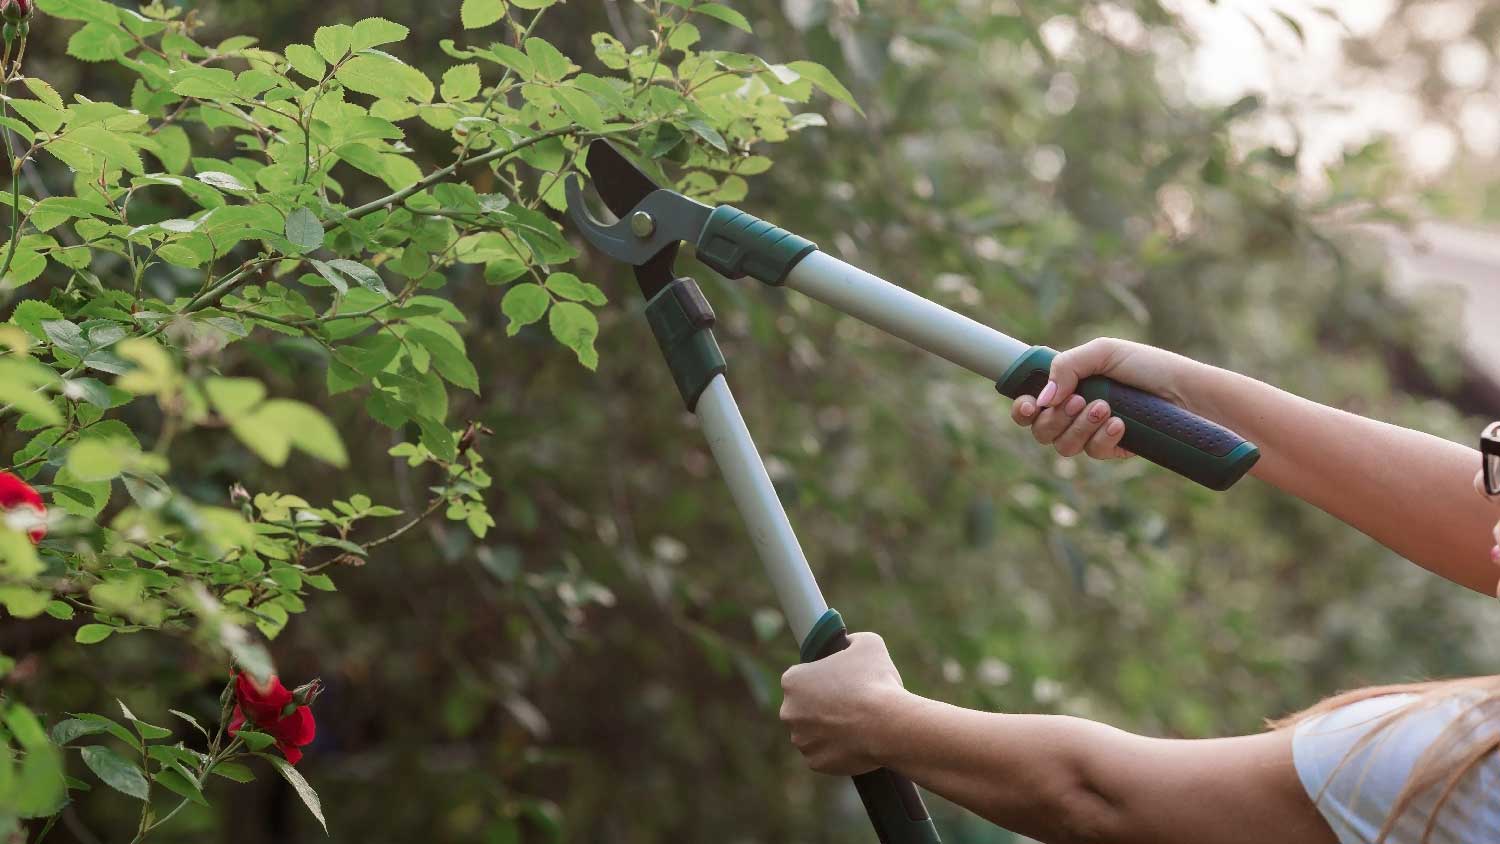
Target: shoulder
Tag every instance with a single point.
(1354, 762)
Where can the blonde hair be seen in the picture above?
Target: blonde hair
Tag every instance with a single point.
(1456, 752)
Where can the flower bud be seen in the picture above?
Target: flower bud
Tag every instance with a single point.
(16, 10)
(238, 494)
(305, 694)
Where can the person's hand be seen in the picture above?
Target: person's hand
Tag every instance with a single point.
(831, 705)
(1061, 418)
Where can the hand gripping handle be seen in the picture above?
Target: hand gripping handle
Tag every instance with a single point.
(1156, 429)
(892, 802)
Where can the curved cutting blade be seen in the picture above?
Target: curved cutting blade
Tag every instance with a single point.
(622, 186)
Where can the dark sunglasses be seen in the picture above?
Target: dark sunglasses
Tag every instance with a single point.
(1489, 450)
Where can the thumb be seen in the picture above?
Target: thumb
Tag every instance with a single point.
(1074, 365)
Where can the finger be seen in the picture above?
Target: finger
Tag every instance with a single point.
(1071, 442)
(1105, 443)
(1074, 365)
(1054, 420)
(1023, 411)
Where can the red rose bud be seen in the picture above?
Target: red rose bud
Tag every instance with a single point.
(305, 694)
(15, 10)
(272, 710)
(16, 494)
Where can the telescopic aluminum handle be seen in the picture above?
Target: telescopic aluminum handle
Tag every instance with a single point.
(738, 244)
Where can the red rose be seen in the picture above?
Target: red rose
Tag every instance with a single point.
(16, 8)
(16, 493)
(272, 710)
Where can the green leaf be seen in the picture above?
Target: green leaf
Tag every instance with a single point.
(116, 772)
(255, 740)
(478, 13)
(97, 459)
(191, 720)
(333, 42)
(304, 229)
(175, 778)
(569, 286)
(824, 80)
(90, 634)
(385, 77)
(95, 11)
(232, 397)
(68, 729)
(306, 61)
(332, 276)
(450, 360)
(549, 62)
(581, 107)
(524, 304)
(576, 327)
(234, 771)
(299, 785)
(303, 426)
(66, 336)
(98, 42)
(222, 181)
(30, 315)
(363, 275)
(461, 83)
(722, 13)
(373, 32)
(683, 36)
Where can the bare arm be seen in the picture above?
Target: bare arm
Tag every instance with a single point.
(1057, 779)
(1408, 490)
(1066, 780)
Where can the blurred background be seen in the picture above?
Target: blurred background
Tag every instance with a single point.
(1298, 191)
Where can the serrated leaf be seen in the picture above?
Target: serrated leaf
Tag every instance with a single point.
(822, 78)
(115, 771)
(68, 729)
(177, 780)
(723, 13)
(362, 275)
(299, 785)
(234, 771)
(304, 229)
(575, 327)
(333, 42)
(478, 13)
(384, 77)
(569, 286)
(524, 304)
(373, 32)
(306, 61)
(461, 83)
(191, 720)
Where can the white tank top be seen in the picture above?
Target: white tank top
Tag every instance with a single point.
(1356, 795)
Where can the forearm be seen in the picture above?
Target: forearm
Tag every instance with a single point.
(1022, 772)
(1064, 780)
(1409, 490)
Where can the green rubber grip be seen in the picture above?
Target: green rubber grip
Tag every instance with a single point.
(736, 244)
(683, 324)
(895, 808)
(1156, 429)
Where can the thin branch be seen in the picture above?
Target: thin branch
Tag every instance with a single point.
(441, 175)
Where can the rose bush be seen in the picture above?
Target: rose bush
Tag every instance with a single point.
(244, 195)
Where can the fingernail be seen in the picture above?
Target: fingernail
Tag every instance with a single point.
(1075, 404)
(1047, 393)
(1027, 408)
(1114, 427)
(1096, 413)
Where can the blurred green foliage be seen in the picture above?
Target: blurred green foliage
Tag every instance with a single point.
(603, 666)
